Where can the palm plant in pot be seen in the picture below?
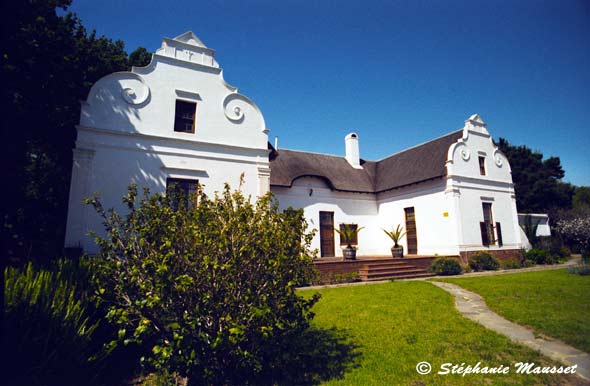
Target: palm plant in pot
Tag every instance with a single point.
(348, 235)
(396, 235)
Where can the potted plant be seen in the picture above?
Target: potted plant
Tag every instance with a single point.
(396, 235)
(348, 234)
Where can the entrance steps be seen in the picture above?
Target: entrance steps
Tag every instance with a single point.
(391, 269)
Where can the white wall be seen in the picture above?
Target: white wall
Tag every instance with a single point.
(375, 213)
(358, 208)
(126, 134)
(434, 211)
(471, 189)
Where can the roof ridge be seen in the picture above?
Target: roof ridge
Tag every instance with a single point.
(416, 146)
(312, 152)
(377, 160)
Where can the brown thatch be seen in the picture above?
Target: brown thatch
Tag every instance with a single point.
(418, 164)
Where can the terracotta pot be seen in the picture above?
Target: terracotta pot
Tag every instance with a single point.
(397, 251)
(349, 253)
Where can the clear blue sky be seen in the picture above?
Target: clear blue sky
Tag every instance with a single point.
(397, 72)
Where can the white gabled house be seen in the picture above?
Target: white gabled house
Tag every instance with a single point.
(177, 121)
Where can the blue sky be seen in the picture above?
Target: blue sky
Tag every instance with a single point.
(399, 73)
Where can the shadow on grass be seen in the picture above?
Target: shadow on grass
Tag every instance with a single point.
(311, 357)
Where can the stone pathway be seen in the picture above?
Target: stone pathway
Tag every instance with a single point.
(473, 306)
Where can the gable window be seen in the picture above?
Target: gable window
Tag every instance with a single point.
(185, 116)
(183, 192)
(482, 165)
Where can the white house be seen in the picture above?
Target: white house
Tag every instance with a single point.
(176, 120)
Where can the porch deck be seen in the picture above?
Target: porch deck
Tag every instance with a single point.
(371, 268)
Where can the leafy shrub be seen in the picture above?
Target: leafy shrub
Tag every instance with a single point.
(51, 327)
(445, 266)
(209, 289)
(483, 261)
(580, 269)
(539, 256)
(56, 331)
(510, 263)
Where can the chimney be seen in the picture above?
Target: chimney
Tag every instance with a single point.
(352, 150)
(276, 143)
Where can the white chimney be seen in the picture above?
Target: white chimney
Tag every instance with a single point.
(352, 150)
(277, 142)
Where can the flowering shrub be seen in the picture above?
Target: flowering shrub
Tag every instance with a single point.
(576, 230)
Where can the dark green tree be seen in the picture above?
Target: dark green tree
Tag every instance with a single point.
(140, 57)
(582, 197)
(48, 64)
(537, 181)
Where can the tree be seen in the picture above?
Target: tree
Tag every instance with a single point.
(582, 197)
(210, 288)
(49, 62)
(140, 57)
(537, 182)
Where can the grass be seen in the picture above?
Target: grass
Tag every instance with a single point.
(553, 303)
(400, 324)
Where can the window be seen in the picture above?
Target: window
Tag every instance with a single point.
(482, 165)
(183, 191)
(487, 225)
(354, 241)
(185, 116)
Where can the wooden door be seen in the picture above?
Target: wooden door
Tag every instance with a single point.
(411, 235)
(327, 234)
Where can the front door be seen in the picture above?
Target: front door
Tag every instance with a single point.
(411, 235)
(327, 234)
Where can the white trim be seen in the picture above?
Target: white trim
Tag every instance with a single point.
(186, 140)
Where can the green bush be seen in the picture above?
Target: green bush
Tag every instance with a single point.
(350, 277)
(539, 256)
(510, 263)
(51, 327)
(483, 261)
(56, 331)
(208, 290)
(445, 266)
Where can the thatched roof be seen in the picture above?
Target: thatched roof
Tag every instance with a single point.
(417, 164)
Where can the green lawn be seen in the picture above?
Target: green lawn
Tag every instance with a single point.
(553, 303)
(399, 324)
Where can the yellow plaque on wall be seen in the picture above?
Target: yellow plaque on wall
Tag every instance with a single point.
(445, 214)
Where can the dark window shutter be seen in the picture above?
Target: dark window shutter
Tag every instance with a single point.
(499, 233)
(485, 241)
